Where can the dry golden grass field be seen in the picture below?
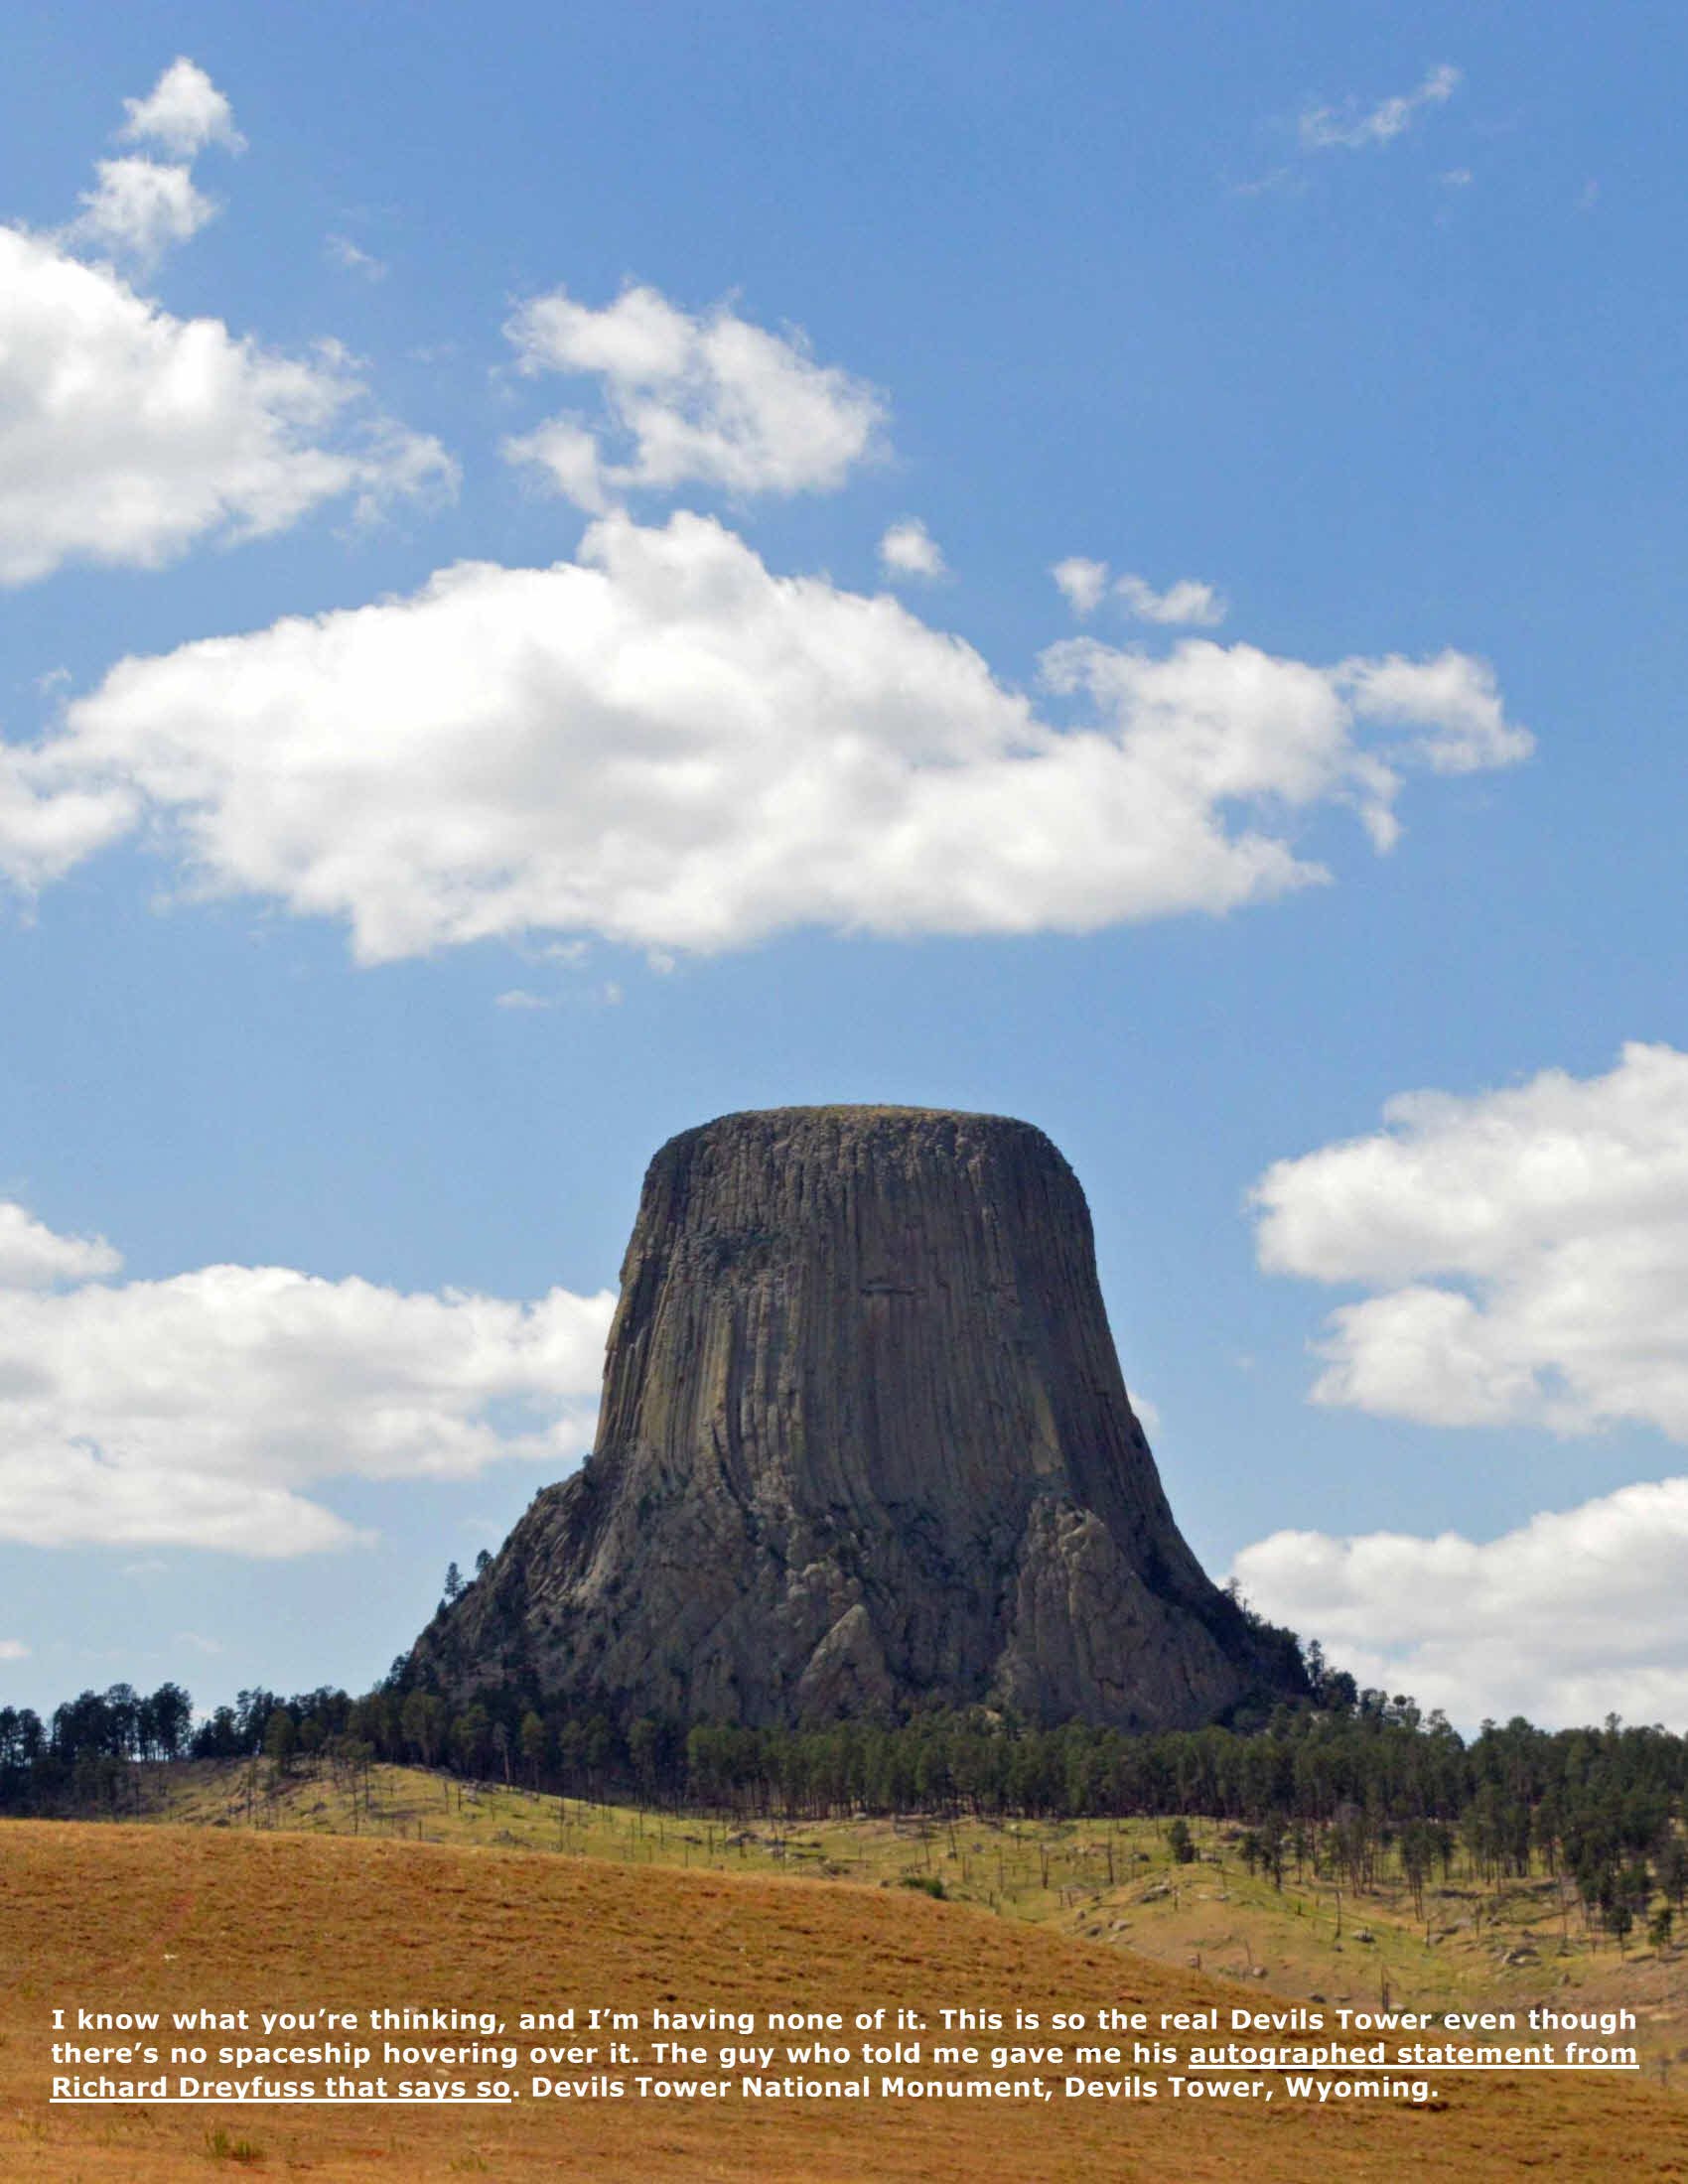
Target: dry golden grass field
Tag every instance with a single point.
(176, 1918)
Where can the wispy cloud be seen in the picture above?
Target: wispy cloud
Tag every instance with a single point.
(1353, 127)
(1081, 583)
(1085, 583)
(341, 250)
(1188, 601)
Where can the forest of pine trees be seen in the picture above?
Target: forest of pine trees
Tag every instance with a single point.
(1349, 1783)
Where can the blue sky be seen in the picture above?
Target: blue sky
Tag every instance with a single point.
(623, 463)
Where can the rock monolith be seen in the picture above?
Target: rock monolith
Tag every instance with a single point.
(864, 1447)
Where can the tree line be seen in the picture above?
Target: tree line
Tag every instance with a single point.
(1351, 1783)
(86, 1758)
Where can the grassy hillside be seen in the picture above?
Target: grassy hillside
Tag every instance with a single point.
(173, 1917)
(1111, 1884)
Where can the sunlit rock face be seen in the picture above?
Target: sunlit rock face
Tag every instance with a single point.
(864, 1448)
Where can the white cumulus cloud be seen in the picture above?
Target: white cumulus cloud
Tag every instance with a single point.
(1528, 1249)
(1188, 601)
(139, 208)
(197, 1410)
(128, 434)
(1353, 127)
(13, 1649)
(32, 1257)
(909, 549)
(711, 400)
(663, 743)
(1576, 1614)
(184, 111)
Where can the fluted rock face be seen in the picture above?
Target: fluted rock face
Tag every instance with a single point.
(864, 1444)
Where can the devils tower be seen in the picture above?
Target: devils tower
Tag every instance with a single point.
(864, 1445)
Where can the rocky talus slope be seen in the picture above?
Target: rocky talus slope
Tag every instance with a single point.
(864, 1445)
